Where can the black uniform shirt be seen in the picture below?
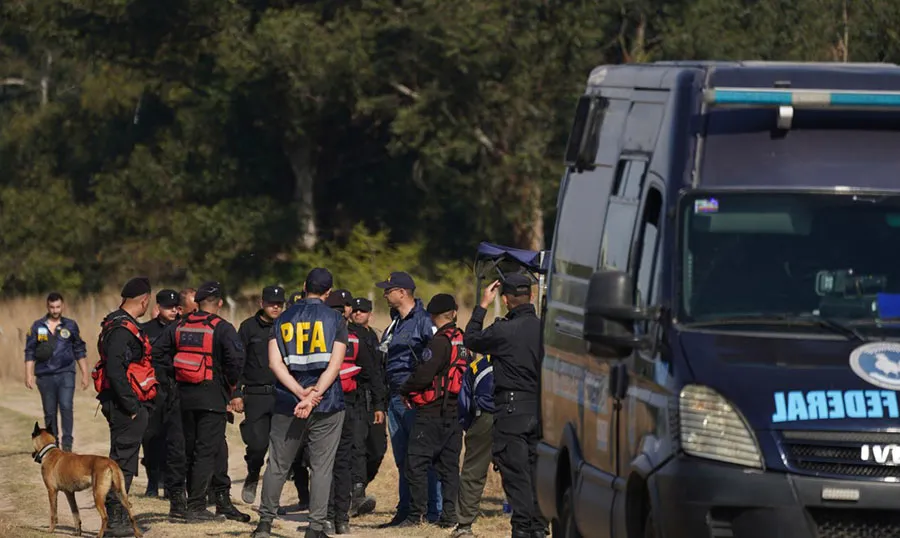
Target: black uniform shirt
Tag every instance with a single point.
(254, 333)
(372, 376)
(163, 365)
(514, 345)
(436, 363)
(121, 348)
(228, 362)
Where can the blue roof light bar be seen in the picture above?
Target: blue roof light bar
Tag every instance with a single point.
(802, 98)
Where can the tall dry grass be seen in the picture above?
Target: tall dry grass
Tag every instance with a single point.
(17, 315)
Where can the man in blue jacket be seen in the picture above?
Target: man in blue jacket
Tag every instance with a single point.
(403, 343)
(52, 348)
(476, 415)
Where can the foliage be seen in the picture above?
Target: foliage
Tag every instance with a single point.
(192, 139)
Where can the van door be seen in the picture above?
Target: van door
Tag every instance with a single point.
(573, 381)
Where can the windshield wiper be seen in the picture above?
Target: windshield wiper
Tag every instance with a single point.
(820, 321)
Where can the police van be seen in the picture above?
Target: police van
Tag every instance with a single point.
(722, 326)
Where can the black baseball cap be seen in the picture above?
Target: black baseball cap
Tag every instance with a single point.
(516, 284)
(398, 279)
(296, 296)
(345, 295)
(209, 289)
(168, 298)
(319, 277)
(273, 294)
(335, 301)
(137, 286)
(440, 303)
(361, 303)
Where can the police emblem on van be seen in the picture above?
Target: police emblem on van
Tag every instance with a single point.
(882, 454)
(878, 363)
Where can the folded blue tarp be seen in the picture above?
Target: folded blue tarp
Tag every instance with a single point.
(527, 259)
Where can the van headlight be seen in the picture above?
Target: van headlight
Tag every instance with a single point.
(712, 428)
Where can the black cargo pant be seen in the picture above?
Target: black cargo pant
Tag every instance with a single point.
(376, 445)
(516, 435)
(342, 481)
(220, 481)
(125, 436)
(362, 418)
(259, 404)
(165, 428)
(434, 440)
(204, 436)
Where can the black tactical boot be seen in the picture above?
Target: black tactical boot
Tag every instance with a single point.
(248, 492)
(360, 503)
(177, 506)
(225, 507)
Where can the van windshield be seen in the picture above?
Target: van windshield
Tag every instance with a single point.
(776, 256)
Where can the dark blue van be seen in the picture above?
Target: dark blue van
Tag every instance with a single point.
(722, 325)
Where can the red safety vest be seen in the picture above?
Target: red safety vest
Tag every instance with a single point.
(194, 348)
(349, 369)
(451, 381)
(140, 372)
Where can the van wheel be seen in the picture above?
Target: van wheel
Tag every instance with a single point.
(565, 526)
(650, 527)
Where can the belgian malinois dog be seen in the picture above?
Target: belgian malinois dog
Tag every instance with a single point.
(69, 472)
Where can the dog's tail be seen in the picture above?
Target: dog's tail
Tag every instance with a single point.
(118, 484)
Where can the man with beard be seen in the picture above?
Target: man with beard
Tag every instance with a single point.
(53, 346)
(155, 452)
(255, 395)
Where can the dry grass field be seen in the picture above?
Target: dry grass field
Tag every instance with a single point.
(24, 508)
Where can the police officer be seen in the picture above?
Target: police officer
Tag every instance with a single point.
(403, 342)
(167, 302)
(126, 384)
(376, 436)
(436, 437)
(514, 345)
(208, 359)
(476, 416)
(256, 389)
(53, 346)
(370, 438)
(306, 351)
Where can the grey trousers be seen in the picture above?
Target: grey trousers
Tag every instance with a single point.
(475, 467)
(322, 431)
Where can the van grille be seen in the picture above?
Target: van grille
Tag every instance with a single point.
(835, 523)
(836, 454)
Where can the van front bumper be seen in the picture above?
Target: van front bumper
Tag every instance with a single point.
(693, 498)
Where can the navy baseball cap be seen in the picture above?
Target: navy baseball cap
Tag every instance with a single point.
(209, 289)
(516, 284)
(168, 298)
(362, 304)
(343, 294)
(273, 294)
(319, 277)
(398, 279)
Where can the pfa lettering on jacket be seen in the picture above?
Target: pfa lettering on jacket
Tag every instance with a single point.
(834, 404)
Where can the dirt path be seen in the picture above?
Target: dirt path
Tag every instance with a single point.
(24, 508)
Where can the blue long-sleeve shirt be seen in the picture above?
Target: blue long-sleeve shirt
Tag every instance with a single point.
(67, 346)
(477, 391)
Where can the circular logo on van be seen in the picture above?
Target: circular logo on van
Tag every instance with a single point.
(878, 363)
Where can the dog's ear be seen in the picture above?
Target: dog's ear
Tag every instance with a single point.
(37, 430)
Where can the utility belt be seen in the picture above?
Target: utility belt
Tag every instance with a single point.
(515, 402)
(259, 389)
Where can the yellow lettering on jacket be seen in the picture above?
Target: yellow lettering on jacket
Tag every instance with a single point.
(317, 345)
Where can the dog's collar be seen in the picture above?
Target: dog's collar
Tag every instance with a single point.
(40, 455)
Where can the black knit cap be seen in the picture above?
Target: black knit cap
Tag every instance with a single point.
(137, 286)
(440, 303)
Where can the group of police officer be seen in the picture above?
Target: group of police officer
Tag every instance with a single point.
(317, 388)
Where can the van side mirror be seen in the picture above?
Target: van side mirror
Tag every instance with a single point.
(610, 314)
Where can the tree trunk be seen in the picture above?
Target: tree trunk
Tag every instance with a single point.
(300, 155)
(45, 80)
(528, 229)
